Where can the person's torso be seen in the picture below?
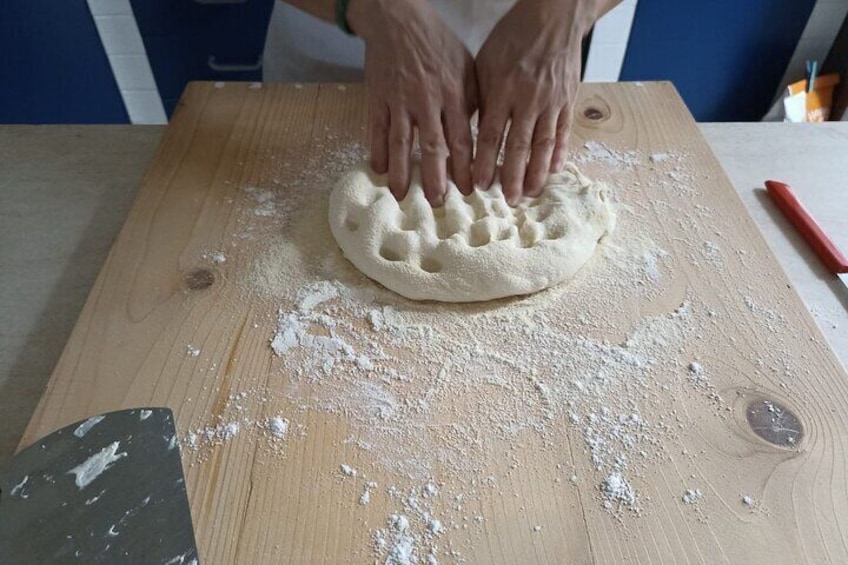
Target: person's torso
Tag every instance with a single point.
(302, 48)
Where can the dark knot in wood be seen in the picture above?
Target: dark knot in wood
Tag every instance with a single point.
(593, 113)
(774, 423)
(200, 279)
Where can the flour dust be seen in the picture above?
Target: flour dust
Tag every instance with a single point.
(443, 398)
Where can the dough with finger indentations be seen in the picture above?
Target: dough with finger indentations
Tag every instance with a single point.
(475, 247)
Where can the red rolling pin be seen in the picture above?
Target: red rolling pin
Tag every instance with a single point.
(807, 226)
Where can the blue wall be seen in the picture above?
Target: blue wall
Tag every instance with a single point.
(726, 57)
(181, 36)
(52, 65)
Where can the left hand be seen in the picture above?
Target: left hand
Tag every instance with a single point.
(528, 71)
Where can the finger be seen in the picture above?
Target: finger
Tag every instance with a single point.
(379, 114)
(518, 145)
(434, 154)
(489, 139)
(400, 147)
(541, 153)
(560, 150)
(458, 133)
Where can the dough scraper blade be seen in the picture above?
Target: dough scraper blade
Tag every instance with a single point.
(109, 489)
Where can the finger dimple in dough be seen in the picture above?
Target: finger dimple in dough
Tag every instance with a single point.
(475, 247)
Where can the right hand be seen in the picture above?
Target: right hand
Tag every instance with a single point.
(419, 75)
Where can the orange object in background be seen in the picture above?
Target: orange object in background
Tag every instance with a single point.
(813, 106)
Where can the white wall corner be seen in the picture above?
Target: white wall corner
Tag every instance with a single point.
(124, 48)
(609, 43)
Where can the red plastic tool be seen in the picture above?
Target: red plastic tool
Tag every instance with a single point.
(807, 226)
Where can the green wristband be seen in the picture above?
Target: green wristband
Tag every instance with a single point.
(341, 16)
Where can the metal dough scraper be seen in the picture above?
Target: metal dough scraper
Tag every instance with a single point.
(109, 489)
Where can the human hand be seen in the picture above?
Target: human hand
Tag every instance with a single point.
(528, 71)
(419, 75)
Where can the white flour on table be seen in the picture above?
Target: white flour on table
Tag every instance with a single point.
(450, 392)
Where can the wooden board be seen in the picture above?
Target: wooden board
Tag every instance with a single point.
(255, 501)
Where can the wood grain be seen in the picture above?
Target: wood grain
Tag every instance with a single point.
(154, 296)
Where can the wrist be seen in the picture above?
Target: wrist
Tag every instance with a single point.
(574, 17)
(360, 16)
(587, 12)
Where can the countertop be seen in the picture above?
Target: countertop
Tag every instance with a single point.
(65, 192)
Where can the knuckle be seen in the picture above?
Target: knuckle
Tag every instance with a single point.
(545, 143)
(460, 144)
(462, 153)
(489, 134)
(518, 145)
(433, 146)
(398, 141)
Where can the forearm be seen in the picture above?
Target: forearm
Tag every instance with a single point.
(594, 9)
(360, 15)
(581, 14)
(601, 7)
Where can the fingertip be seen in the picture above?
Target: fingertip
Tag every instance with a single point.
(399, 192)
(558, 159)
(461, 171)
(482, 179)
(489, 141)
(399, 181)
(556, 165)
(379, 166)
(533, 187)
(535, 193)
(512, 194)
(464, 184)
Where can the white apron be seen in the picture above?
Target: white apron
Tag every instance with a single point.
(301, 48)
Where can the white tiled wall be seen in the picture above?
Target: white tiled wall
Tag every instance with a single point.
(123, 45)
(609, 43)
(816, 40)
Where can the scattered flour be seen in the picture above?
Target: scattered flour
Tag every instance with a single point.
(397, 543)
(616, 489)
(224, 432)
(216, 257)
(365, 498)
(692, 496)
(278, 426)
(595, 151)
(457, 393)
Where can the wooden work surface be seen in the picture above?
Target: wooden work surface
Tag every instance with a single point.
(159, 292)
